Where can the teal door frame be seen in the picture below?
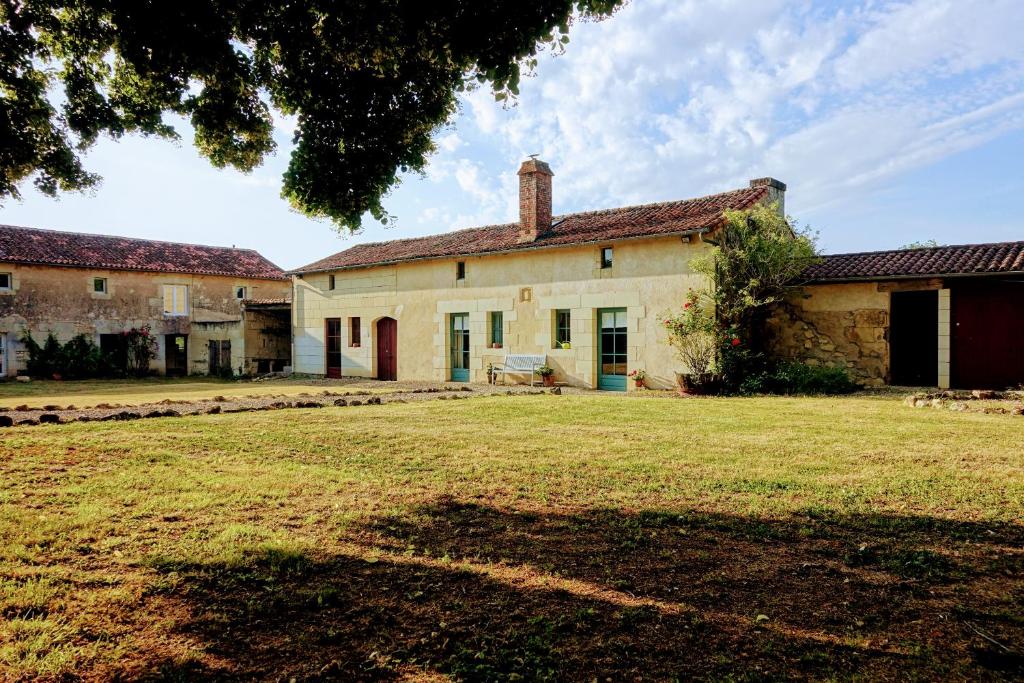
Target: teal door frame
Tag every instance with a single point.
(611, 349)
(458, 336)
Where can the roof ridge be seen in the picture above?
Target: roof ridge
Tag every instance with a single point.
(922, 249)
(669, 202)
(555, 219)
(132, 239)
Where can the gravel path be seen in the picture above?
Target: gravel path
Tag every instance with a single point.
(413, 391)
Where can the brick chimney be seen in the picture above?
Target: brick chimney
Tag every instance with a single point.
(776, 191)
(534, 199)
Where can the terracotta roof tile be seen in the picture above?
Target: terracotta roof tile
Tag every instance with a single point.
(649, 220)
(961, 259)
(275, 301)
(79, 250)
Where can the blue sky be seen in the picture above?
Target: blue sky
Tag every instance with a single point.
(890, 122)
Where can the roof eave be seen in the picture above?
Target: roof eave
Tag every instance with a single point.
(517, 249)
(50, 264)
(914, 276)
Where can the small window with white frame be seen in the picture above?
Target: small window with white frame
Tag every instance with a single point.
(6, 282)
(99, 285)
(606, 257)
(241, 293)
(175, 300)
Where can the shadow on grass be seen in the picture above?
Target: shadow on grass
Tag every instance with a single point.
(480, 593)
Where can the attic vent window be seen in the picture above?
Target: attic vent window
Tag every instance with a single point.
(5, 281)
(460, 270)
(239, 292)
(606, 257)
(99, 285)
(330, 282)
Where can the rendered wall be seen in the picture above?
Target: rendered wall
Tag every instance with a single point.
(62, 300)
(648, 278)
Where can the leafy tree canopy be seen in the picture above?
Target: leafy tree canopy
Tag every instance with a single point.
(922, 244)
(369, 82)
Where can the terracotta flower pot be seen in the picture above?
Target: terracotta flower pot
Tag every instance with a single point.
(549, 380)
(695, 385)
(639, 383)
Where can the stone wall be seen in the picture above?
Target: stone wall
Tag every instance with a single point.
(838, 325)
(61, 300)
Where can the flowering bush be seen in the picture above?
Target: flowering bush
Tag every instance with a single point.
(141, 346)
(638, 375)
(693, 334)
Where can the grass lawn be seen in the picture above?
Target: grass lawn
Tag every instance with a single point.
(548, 537)
(88, 393)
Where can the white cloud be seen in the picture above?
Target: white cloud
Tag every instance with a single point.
(670, 99)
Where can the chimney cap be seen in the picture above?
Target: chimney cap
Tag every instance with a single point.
(768, 182)
(535, 165)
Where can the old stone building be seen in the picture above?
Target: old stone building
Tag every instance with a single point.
(586, 291)
(950, 316)
(209, 307)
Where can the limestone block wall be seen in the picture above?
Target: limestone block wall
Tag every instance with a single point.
(648, 278)
(837, 325)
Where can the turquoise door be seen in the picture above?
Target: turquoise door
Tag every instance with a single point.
(611, 372)
(460, 347)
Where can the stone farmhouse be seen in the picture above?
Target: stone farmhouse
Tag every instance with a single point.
(209, 307)
(585, 291)
(588, 291)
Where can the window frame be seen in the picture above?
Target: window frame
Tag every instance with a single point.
(104, 289)
(174, 288)
(9, 287)
(559, 327)
(497, 331)
(331, 282)
(355, 331)
(607, 257)
(243, 290)
(460, 270)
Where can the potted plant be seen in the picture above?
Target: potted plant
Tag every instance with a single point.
(496, 345)
(638, 376)
(566, 345)
(547, 375)
(692, 335)
(490, 373)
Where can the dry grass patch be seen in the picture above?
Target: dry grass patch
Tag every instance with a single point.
(535, 536)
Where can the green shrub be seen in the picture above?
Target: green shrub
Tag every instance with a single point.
(788, 377)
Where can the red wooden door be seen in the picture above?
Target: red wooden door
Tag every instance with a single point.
(387, 349)
(987, 345)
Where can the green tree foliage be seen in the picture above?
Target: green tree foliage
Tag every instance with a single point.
(369, 82)
(757, 257)
(924, 244)
(80, 358)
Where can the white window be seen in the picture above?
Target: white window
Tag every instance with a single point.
(239, 292)
(175, 299)
(99, 285)
(6, 282)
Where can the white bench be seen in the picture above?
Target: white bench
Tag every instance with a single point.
(518, 363)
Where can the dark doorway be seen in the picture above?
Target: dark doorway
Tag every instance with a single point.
(387, 349)
(987, 334)
(220, 357)
(333, 347)
(175, 355)
(914, 338)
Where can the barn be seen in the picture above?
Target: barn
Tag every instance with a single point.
(946, 316)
